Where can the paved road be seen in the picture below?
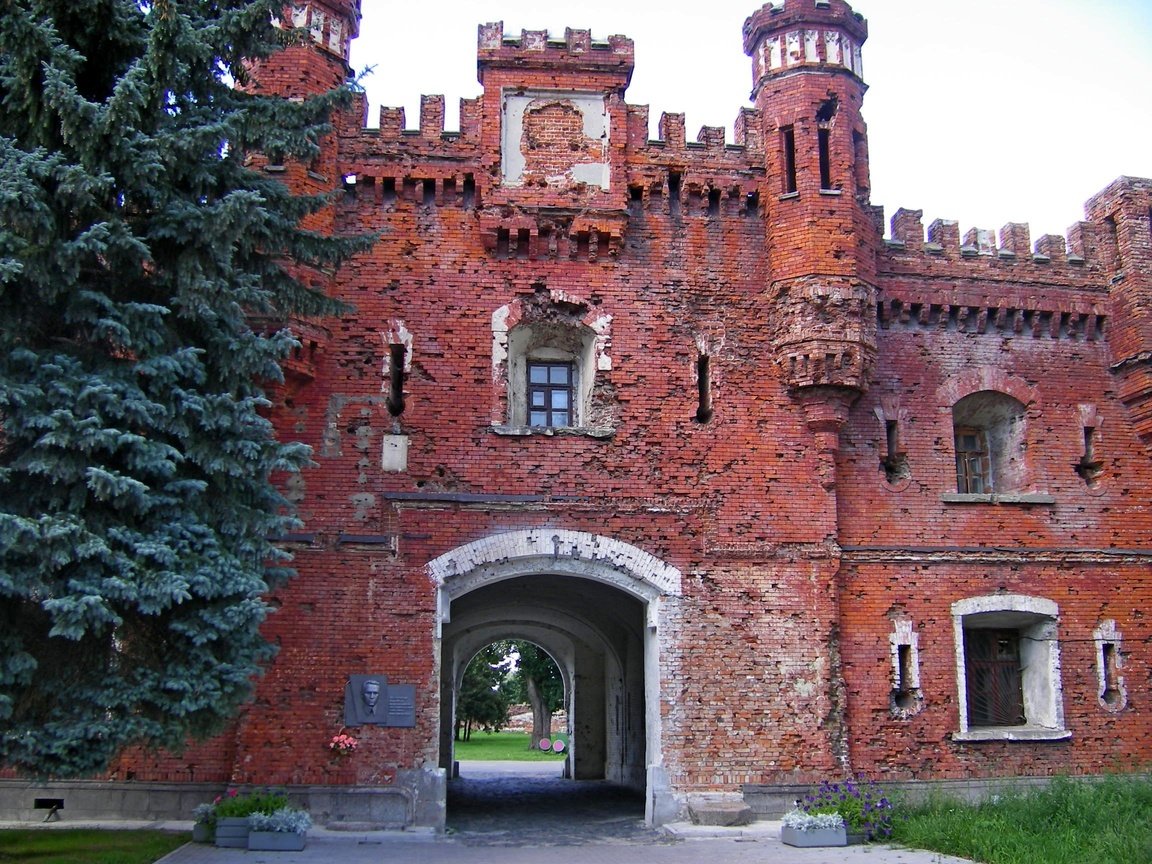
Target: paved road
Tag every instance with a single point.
(524, 813)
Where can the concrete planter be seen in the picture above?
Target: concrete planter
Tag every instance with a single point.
(275, 841)
(202, 833)
(232, 832)
(814, 837)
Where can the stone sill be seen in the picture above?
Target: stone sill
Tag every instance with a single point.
(598, 432)
(1013, 733)
(1025, 498)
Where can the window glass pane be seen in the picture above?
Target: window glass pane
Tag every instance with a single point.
(537, 398)
(559, 418)
(538, 418)
(560, 399)
(538, 373)
(559, 375)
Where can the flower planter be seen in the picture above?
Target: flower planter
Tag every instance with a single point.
(275, 841)
(814, 837)
(232, 832)
(202, 833)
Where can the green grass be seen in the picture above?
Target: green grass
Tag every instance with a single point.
(87, 846)
(1071, 822)
(504, 746)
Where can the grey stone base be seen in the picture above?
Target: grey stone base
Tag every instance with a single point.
(417, 799)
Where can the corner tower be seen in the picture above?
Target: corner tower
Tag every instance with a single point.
(821, 237)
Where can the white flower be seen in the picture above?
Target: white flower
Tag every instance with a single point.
(802, 821)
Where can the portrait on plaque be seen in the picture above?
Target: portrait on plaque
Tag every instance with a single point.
(365, 700)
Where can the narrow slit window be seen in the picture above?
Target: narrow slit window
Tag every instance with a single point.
(788, 148)
(429, 197)
(1109, 661)
(388, 191)
(469, 191)
(713, 202)
(674, 192)
(823, 138)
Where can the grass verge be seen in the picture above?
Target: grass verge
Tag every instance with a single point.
(503, 746)
(1106, 821)
(87, 845)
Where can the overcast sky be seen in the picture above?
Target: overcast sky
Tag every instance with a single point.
(983, 111)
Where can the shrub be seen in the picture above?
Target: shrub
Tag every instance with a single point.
(863, 806)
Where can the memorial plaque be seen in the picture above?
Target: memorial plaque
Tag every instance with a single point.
(401, 705)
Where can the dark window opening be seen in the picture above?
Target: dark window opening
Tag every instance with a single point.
(993, 678)
(904, 696)
(502, 242)
(469, 191)
(1109, 659)
(550, 394)
(752, 204)
(823, 136)
(429, 193)
(860, 159)
(388, 191)
(704, 388)
(972, 462)
(523, 236)
(674, 193)
(895, 461)
(788, 146)
(713, 202)
(1090, 467)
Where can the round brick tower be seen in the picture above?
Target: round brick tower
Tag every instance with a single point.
(821, 236)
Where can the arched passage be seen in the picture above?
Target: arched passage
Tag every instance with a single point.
(591, 602)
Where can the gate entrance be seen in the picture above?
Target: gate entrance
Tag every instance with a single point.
(593, 604)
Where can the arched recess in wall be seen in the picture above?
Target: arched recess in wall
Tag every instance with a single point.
(570, 592)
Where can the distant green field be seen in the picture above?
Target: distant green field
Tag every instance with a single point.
(504, 746)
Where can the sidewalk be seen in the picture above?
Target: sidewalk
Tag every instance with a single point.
(684, 844)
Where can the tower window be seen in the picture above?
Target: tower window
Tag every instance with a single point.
(550, 390)
(823, 137)
(788, 146)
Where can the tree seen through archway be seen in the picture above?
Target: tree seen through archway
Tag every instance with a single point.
(505, 673)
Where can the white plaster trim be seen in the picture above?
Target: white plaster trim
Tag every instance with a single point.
(1107, 633)
(1039, 657)
(556, 551)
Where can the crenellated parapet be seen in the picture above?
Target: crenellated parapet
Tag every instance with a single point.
(614, 57)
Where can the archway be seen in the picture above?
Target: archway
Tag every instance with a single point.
(591, 602)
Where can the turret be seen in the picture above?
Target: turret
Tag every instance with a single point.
(821, 237)
(1122, 214)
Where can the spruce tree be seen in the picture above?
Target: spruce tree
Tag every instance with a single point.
(137, 464)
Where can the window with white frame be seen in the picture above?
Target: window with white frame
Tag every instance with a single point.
(1008, 668)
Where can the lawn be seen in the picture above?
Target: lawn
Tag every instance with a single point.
(87, 846)
(503, 746)
(1071, 822)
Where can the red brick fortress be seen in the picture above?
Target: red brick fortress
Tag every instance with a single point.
(786, 498)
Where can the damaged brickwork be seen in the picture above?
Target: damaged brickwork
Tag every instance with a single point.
(806, 496)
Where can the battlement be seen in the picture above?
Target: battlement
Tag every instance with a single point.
(1081, 250)
(537, 49)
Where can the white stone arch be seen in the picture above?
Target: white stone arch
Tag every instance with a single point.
(565, 553)
(557, 551)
